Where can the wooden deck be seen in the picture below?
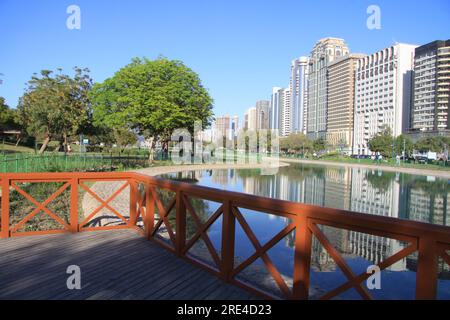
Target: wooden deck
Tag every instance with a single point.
(116, 264)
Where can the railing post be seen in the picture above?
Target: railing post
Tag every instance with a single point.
(133, 202)
(228, 238)
(302, 258)
(180, 235)
(426, 277)
(149, 222)
(5, 208)
(74, 205)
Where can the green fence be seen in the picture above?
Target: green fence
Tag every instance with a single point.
(56, 162)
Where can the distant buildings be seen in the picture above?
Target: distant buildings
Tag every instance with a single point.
(324, 52)
(382, 94)
(234, 126)
(262, 114)
(431, 87)
(341, 101)
(251, 116)
(349, 98)
(222, 126)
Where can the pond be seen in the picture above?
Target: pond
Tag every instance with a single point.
(405, 196)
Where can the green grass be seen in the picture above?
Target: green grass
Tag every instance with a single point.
(9, 148)
(385, 163)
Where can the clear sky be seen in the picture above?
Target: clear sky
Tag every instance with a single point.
(240, 49)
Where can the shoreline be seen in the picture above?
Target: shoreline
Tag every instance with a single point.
(416, 171)
(153, 171)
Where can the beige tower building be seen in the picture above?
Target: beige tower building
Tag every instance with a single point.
(341, 101)
(322, 55)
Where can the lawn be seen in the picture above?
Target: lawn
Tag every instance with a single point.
(9, 148)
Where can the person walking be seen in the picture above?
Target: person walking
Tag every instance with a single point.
(397, 160)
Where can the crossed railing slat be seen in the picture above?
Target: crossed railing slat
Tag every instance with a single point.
(39, 206)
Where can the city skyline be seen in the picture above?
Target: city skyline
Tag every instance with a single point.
(94, 46)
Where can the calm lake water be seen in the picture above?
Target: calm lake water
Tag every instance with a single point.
(405, 196)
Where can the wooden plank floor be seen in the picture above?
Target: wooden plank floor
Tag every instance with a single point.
(117, 264)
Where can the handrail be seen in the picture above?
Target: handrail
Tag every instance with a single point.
(431, 241)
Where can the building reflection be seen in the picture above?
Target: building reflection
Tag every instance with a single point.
(375, 192)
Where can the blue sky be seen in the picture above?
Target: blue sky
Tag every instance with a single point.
(240, 49)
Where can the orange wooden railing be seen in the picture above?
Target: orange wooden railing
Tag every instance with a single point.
(431, 241)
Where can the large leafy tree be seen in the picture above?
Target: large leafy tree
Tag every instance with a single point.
(432, 143)
(296, 141)
(382, 142)
(153, 97)
(55, 105)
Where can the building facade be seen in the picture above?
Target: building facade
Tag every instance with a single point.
(431, 87)
(341, 98)
(234, 126)
(324, 52)
(262, 114)
(383, 91)
(280, 111)
(298, 86)
(274, 111)
(252, 119)
(222, 126)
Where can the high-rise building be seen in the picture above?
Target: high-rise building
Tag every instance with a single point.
(252, 119)
(285, 113)
(262, 114)
(298, 86)
(341, 97)
(222, 125)
(275, 120)
(280, 111)
(324, 52)
(431, 110)
(246, 121)
(234, 126)
(383, 90)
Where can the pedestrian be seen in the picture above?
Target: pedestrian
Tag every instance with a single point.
(397, 160)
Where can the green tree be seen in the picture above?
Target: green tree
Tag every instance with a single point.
(8, 117)
(403, 142)
(153, 97)
(55, 106)
(382, 142)
(297, 142)
(434, 144)
(124, 137)
(319, 144)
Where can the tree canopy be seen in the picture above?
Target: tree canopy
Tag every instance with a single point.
(297, 142)
(382, 142)
(153, 97)
(54, 106)
(8, 117)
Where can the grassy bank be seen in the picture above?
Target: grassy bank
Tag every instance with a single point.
(384, 162)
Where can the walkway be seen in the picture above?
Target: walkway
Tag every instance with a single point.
(117, 264)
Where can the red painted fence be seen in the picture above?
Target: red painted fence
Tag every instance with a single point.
(146, 206)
